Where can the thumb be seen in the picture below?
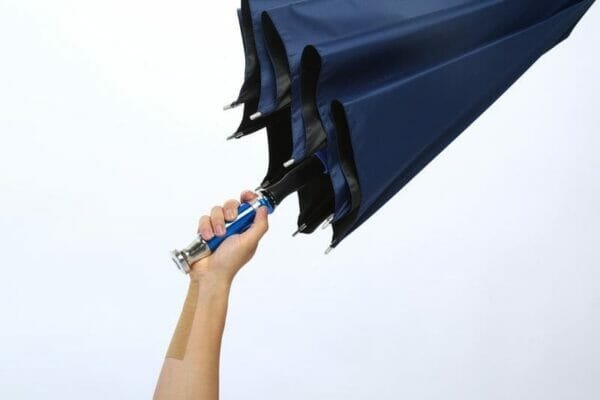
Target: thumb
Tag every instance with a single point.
(259, 226)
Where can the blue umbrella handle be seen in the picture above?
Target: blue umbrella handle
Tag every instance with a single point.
(269, 197)
(201, 248)
(245, 218)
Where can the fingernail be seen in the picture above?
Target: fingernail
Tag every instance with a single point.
(206, 234)
(220, 230)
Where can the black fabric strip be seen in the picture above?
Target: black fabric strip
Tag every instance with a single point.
(346, 154)
(279, 136)
(316, 203)
(251, 88)
(311, 68)
(279, 60)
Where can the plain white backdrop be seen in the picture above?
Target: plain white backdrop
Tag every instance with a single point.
(480, 280)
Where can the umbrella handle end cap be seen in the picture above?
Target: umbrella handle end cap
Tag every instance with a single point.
(180, 261)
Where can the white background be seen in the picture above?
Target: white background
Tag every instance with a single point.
(480, 280)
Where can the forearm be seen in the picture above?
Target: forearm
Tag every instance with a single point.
(191, 368)
(204, 346)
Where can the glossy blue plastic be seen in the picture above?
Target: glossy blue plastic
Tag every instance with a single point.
(246, 214)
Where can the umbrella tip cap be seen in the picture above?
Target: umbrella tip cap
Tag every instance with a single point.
(236, 135)
(231, 105)
(289, 163)
(328, 222)
(300, 230)
(255, 116)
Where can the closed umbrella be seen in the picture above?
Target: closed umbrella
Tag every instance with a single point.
(366, 94)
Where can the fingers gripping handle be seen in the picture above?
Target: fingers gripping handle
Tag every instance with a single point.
(246, 214)
(200, 248)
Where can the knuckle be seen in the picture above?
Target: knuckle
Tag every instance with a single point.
(231, 206)
(248, 195)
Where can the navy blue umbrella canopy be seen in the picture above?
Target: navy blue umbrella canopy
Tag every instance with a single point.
(379, 88)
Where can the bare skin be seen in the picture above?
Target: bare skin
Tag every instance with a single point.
(191, 368)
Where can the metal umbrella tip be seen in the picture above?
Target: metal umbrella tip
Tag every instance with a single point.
(264, 185)
(230, 106)
(289, 163)
(328, 221)
(300, 230)
(236, 135)
(255, 116)
(329, 250)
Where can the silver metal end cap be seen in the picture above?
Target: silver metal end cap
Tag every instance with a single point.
(180, 261)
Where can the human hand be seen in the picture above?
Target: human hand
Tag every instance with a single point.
(235, 251)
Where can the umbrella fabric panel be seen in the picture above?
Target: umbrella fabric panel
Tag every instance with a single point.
(267, 100)
(321, 21)
(312, 22)
(276, 124)
(258, 88)
(250, 91)
(336, 18)
(279, 139)
(251, 86)
(365, 60)
(392, 143)
(355, 64)
(276, 118)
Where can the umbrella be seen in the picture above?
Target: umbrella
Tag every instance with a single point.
(423, 34)
(366, 94)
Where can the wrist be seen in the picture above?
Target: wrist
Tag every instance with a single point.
(209, 276)
(214, 284)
